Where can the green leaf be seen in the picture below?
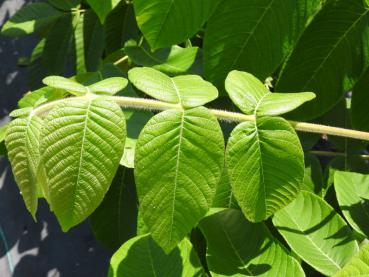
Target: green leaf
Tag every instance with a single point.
(224, 197)
(236, 247)
(325, 69)
(114, 221)
(358, 266)
(251, 96)
(82, 143)
(31, 18)
(141, 256)
(120, 26)
(252, 35)
(178, 163)
(40, 96)
(187, 90)
(65, 5)
(59, 82)
(265, 165)
(59, 44)
(23, 112)
(109, 86)
(167, 22)
(353, 197)
(316, 233)
(103, 8)
(175, 60)
(360, 97)
(22, 142)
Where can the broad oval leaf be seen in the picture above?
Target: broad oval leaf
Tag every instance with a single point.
(174, 60)
(115, 220)
(186, 90)
(71, 86)
(252, 35)
(178, 163)
(167, 22)
(82, 143)
(109, 86)
(265, 165)
(252, 97)
(358, 266)
(352, 190)
(237, 247)
(30, 19)
(323, 60)
(22, 140)
(141, 256)
(103, 8)
(316, 233)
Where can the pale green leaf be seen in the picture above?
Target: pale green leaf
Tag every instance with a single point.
(187, 90)
(237, 247)
(316, 233)
(253, 36)
(103, 8)
(22, 142)
(352, 190)
(141, 256)
(40, 96)
(167, 22)
(109, 86)
(251, 96)
(265, 165)
(178, 163)
(358, 266)
(174, 60)
(82, 143)
(323, 60)
(71, 86)
(30, 19)
(22, 112)
(114, 221)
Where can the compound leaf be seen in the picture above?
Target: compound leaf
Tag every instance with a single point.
(141, 256)
(82, 143)
(237, 247)
(265, 165)
(251, 96)
(178, 163)
(187, 90)
(22, 142)
(316, 233)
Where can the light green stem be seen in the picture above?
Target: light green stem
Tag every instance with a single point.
(154, 105)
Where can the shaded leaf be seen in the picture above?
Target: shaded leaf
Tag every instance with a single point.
(103, 8)
(316, 233)
(65, 5)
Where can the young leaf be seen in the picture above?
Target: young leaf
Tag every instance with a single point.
(358, 266)
(265, 165)
(141, 256)
(22, 112)
(316, 233)
(252, 35)
(251, 96)
(40, 96)
(236, 247)
(352, 190)
(187, 90)
(114, 221)
(30, 19)
(22, 142)
(174, 60)
(59, 82)
(109, 86)
(103, 8)
(167, 22)
(324, 69)
(178, 163)
(82, 143)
